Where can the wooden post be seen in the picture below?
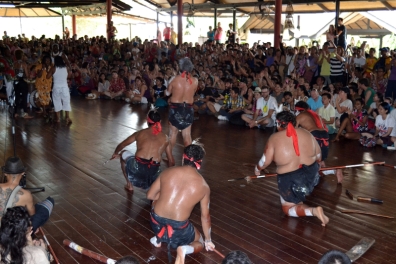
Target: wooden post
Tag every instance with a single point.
(215, 18)
(179, 22)
(278, 14)
(109, 4)
(233, 19)
(74, 25)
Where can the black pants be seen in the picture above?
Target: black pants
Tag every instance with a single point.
(21, 90)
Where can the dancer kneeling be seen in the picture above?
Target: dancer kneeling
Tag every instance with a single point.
(142, 169)
(175, 193)
(298, 173)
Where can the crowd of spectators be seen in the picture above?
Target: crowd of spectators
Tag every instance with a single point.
(353, 90)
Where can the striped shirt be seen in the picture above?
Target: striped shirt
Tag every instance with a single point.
(336, 67)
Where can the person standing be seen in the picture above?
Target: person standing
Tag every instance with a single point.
(210, 34)
(167, 33)
(218, 33)
(60, 92)
(43, 85)
(341, 33)
(231, 34)
(181, 111)
(174, 194)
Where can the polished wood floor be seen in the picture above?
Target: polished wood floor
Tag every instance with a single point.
(93, 210)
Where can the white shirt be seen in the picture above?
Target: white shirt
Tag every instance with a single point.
(348, 104)
(393, 116)
(265, 106)
(327, 113)
(383, 125)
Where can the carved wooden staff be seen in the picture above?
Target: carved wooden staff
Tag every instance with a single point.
(49, 246)
(365, 213)
(88, 252)
(248, 178)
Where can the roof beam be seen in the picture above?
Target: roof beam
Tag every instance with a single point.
(387, 5)
(379, 21)
(324, 8)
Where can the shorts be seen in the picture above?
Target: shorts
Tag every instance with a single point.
(141, 172)
(322, 137)
(181, 115)
(174, 233)
(295, 185)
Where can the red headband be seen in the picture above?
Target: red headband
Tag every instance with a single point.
(187, 75)
(197, 163)
(156, 126)
(291, 132)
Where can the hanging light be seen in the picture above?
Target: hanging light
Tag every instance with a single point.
(289, 22)
(286, 34)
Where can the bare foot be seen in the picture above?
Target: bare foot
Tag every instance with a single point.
(128, 187)
(180, 256)
(68, 121)
(318, 212)
(340, 175)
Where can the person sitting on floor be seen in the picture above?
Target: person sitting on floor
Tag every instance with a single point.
(327, 113)
(234, 105)
(16, 244)
(265, 108)
(14, 195)
(142, 169)
(356, 122)
(236, 257)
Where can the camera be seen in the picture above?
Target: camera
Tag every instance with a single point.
(22, 182)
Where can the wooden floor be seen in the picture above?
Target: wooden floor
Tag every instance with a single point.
(93, 210)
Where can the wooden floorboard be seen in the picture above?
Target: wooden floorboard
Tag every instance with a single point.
(93, 209)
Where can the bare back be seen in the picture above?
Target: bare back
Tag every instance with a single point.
(307, 121)
(181, 188)
(22, 198)
(182, 90)
(284, 154)
(149, 145)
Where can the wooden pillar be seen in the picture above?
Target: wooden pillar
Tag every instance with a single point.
(179, 22)
(277, 29)
(63, 23)
(171, 18)
(109, 4)
(74, 28)
(233, 19)
(380, 38)
(215, 18)
(337, 7)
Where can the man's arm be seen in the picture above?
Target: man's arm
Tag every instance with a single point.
(367, 96)
(205, 220)
(267, 157)
(168, 90)
(154, 191)
(129, 140)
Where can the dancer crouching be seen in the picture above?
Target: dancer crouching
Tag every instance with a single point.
(298, 172)
(175, 193)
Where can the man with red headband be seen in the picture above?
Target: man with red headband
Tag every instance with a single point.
(181, 111)
(175, 193)
(311, 121)
(298, 171)
(142, 168)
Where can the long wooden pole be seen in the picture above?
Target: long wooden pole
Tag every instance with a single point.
(88, 252)
(49, 246)
(365, 213)
(179, 22)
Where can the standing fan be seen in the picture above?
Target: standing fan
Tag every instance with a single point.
(262, 10)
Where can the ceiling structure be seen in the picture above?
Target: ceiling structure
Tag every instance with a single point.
(65, 3)
(28, 12)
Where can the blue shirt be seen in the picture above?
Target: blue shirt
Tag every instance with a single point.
(211, 35)
(315, 105)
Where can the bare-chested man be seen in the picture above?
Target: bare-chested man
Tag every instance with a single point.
(181, 111)
(311, 121)
(298, 171)
(175, 193)
(142, 169)
(12, 194)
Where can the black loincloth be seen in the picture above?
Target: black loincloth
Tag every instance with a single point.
(142, 172)
(322, 137)
(295, 185)
(181, 115)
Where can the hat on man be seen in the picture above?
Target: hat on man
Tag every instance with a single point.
(257, 90)
(13, 165)
(345, 89)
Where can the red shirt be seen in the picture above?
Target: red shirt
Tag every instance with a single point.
(117, 85)
(167, 33)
